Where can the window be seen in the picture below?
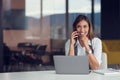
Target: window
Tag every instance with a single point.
(32, 14)
(97, 17)
(78, 7)
(54, 12)
(45, 21)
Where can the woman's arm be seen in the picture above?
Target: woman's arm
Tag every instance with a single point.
(93, 62)
(72, 43)
(71, 50)
(94, 58)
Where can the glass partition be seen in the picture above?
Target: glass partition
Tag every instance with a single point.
(44, 22)
(54, 16)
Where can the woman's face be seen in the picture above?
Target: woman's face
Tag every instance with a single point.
(82, 28)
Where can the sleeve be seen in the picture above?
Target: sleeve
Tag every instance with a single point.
(97, 47)
(67, 47)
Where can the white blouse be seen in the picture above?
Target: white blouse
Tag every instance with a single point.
(96, 46)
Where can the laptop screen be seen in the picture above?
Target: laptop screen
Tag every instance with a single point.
(71, 64)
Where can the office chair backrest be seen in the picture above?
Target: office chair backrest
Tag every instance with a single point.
(42, 47)
(104, 61)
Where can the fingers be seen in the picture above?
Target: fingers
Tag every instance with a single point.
(74, 34)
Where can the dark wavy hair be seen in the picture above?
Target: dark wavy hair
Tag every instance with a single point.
(79, 18)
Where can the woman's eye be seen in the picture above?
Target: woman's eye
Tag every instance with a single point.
(78, 26)
(85, 26)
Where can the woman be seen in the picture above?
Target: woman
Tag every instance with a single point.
(83, 42)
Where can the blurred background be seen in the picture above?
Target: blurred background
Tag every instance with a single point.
(33, 31)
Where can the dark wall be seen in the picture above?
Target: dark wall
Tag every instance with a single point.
(110, 19)
(1, 39)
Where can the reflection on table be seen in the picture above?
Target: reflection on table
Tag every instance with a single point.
(51, 75)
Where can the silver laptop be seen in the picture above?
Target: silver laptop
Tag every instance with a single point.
(71, 64)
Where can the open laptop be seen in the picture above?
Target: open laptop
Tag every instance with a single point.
(71, 64)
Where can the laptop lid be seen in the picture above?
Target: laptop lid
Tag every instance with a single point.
(71, 64)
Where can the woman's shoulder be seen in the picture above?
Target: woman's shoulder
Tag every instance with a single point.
(68, 41)
(96, 39)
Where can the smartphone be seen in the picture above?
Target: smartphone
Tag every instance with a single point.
(77, 35)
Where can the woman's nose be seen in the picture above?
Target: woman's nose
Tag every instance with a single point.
(82, 29)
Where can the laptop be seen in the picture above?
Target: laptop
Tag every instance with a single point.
(71, 64)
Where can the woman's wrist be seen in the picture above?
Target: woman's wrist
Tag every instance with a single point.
(71, 50)
(88, 50)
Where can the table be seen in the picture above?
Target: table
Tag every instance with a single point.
(51, 75)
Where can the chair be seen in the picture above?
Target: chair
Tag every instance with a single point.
(104, 61)
(33, 57)
(40, 50)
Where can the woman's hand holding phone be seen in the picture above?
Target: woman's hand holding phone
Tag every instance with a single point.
(74, 37)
